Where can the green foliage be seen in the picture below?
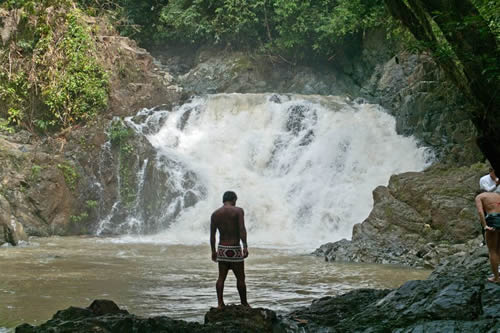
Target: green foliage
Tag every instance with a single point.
(91, 204)
(35, 172)
(297, 27)
(77, 90)
(118, 132)
(70, 175)
(4, 126)
(139, 19)
(78, 218)
(490, 10)
(52, 79)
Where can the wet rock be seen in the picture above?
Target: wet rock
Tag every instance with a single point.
(11, 231)
(237, 318)
(106, 316)
(418, 220)
(456, 297)
(328, 311)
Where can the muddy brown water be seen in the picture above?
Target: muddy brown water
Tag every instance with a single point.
(178, 281)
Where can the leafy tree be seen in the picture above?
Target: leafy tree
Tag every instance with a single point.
(49, 75)
(297, 27)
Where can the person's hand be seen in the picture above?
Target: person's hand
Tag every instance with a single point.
(214, 256)
(245, 252)
(489, 228)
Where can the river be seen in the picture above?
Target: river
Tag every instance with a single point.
(304, 168)
(151, 278)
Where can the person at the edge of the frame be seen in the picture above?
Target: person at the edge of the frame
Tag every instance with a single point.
(488, 207)
(489, 182)
(230, 221)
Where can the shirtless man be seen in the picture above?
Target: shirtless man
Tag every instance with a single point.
(489, 203)
(230, 222)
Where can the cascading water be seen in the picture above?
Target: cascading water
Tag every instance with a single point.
(304, 167)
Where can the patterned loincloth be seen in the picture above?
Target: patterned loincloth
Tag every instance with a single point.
(229, 253)
(493, 220)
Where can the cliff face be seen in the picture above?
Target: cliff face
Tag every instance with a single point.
(51, 185)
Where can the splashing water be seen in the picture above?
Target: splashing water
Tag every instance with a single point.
(304, 167)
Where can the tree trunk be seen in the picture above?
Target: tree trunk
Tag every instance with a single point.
(477, 73)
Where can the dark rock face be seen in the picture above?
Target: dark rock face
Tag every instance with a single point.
(105, 316)
(328, 311)
(417, 220)
(37, 189)
(237, 318)
(456, 297)
(427, 105)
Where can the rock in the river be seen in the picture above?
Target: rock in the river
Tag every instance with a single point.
(418, 219)
(238, 318)
(106, 316)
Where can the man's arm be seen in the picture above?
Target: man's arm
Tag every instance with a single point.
(213, 229)
(243, 231)
(480, 210)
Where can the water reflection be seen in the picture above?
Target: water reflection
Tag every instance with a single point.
(173, 280)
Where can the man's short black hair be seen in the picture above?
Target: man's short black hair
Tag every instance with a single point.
(229, 196)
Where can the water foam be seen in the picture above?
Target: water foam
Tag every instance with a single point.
(304, 167)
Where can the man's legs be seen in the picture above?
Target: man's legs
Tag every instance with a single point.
(493, 245)
(239, 272)
(219, 286)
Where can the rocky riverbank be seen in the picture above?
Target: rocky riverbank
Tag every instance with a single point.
(419, 219)
(456, 297)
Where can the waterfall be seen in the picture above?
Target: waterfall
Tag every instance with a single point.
(304, 167)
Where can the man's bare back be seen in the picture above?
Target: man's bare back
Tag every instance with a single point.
(489, 202)
(229, 220)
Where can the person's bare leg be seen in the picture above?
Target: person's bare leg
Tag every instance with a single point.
(239, 272)
(497, 234)
(492, 243)
(219, 286)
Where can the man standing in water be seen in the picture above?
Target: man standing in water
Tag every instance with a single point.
(489, 203)
(230, 222)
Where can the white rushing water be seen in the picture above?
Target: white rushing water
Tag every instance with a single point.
(304, 167)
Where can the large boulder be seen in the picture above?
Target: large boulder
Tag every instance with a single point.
(11, 231)
(222, 71)
(37, 189)
(418, 219)
(106, 316)
(238, 318)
